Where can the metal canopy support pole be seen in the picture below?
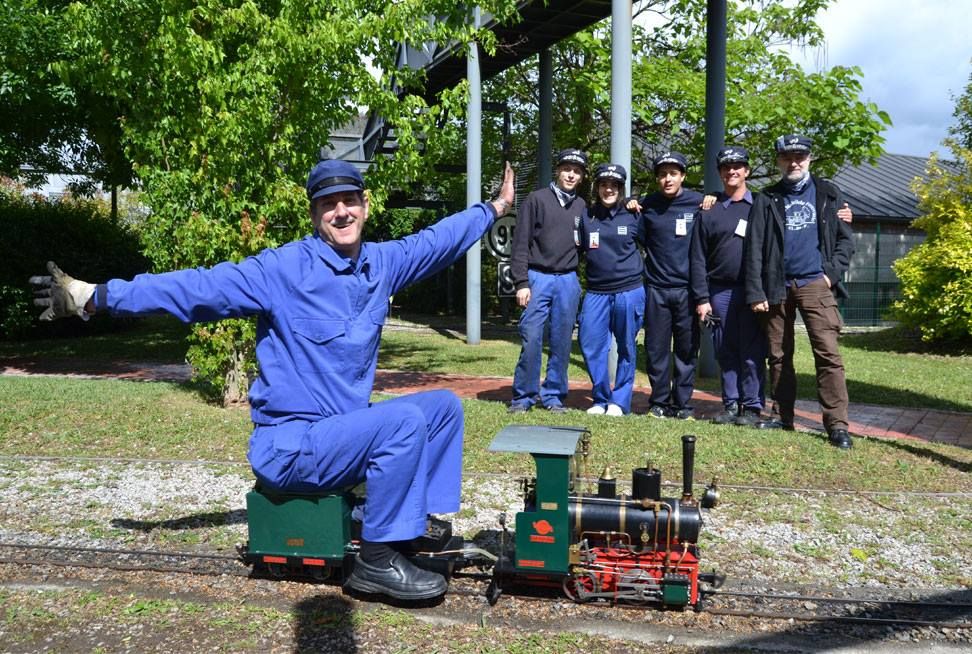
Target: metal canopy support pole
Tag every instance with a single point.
(545, 137)
(715, 129)
(620, 112)
(474, 135)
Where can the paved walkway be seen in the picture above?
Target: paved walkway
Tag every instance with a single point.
(950, 427)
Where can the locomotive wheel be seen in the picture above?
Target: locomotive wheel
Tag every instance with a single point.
(579, 587)
(277, 570)
(318, 573)
(493, 592)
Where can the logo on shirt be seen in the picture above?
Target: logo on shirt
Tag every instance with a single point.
(688, 217)
(800, 215)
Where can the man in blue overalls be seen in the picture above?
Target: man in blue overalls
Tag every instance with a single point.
(544, 268)
(320, 305)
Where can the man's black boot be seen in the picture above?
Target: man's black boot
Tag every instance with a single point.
(380, 569)
(840, 438)
(748, 417)
(728, 415)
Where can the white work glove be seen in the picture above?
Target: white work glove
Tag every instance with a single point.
(61, 294)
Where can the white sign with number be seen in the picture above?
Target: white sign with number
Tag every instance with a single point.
(499, 238)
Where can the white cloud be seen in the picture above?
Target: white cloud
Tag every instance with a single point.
(915, 57)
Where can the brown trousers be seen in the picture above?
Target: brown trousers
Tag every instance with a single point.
(822, 319)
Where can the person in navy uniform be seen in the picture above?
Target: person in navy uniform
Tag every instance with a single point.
(797, 252)
(717, 276)
(544, 268)
(668, 216)
(614, 304)
(320, 304)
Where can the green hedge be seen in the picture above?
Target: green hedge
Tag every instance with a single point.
(77, 234)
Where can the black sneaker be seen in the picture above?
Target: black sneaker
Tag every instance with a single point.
(556, 408)
(840, 438)
(657, 411)
(400, 579)
(728, 415)
(684, 414)
(519, 408)
(748, 417)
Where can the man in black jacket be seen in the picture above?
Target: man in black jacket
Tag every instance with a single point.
(797, 251)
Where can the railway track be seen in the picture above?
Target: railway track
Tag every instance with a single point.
(944, 609)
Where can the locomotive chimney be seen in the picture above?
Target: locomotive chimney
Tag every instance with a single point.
(688, 466)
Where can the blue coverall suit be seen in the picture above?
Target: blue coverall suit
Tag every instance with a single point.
(670, 324)
(319, 321)
(718, 277)
(615, 300)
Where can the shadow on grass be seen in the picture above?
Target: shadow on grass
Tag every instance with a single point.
(832, 633)
(324, 623)
(877, 394)
(926, 453)
(195, 521)
(902, 340)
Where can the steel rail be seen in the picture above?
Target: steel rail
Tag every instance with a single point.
(838, 600)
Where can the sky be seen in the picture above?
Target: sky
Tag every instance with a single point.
(915, 56)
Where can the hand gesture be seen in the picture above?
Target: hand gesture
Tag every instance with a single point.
(504, 200)
(60, 294)
(845, 214)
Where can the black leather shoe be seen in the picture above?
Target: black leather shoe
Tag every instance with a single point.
(774, 423)
(748, 418)
(728, 415)
(840, 438)
(401, 579)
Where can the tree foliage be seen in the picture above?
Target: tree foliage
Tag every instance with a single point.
(936, 276)
(767, 93)
(221, 107)
(961, 131)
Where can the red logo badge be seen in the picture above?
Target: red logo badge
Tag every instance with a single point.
(542, 527)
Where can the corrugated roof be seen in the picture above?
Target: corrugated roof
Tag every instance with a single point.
(883, 190)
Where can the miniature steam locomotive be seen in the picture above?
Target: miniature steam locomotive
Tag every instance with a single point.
(636, 548)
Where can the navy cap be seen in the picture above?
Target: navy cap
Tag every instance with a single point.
(676, 158)
(574, 156)
(610, 172)
(793, 143)
(333, 176)
(732, 154)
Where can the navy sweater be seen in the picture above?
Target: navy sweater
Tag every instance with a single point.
(544, 238)
(717, 247)
(610, 243)
(667, 254)
(801, 246)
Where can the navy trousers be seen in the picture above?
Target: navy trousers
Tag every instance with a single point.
(670, 328)
(740, 347)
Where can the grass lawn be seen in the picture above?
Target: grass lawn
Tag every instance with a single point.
(63, 416)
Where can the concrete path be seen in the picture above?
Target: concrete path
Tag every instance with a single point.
(950, 427)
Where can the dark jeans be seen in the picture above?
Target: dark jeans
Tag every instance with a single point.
(819, 310)
(740, 347)
(670, 328)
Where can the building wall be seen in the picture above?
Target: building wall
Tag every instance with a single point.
(870, 280)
